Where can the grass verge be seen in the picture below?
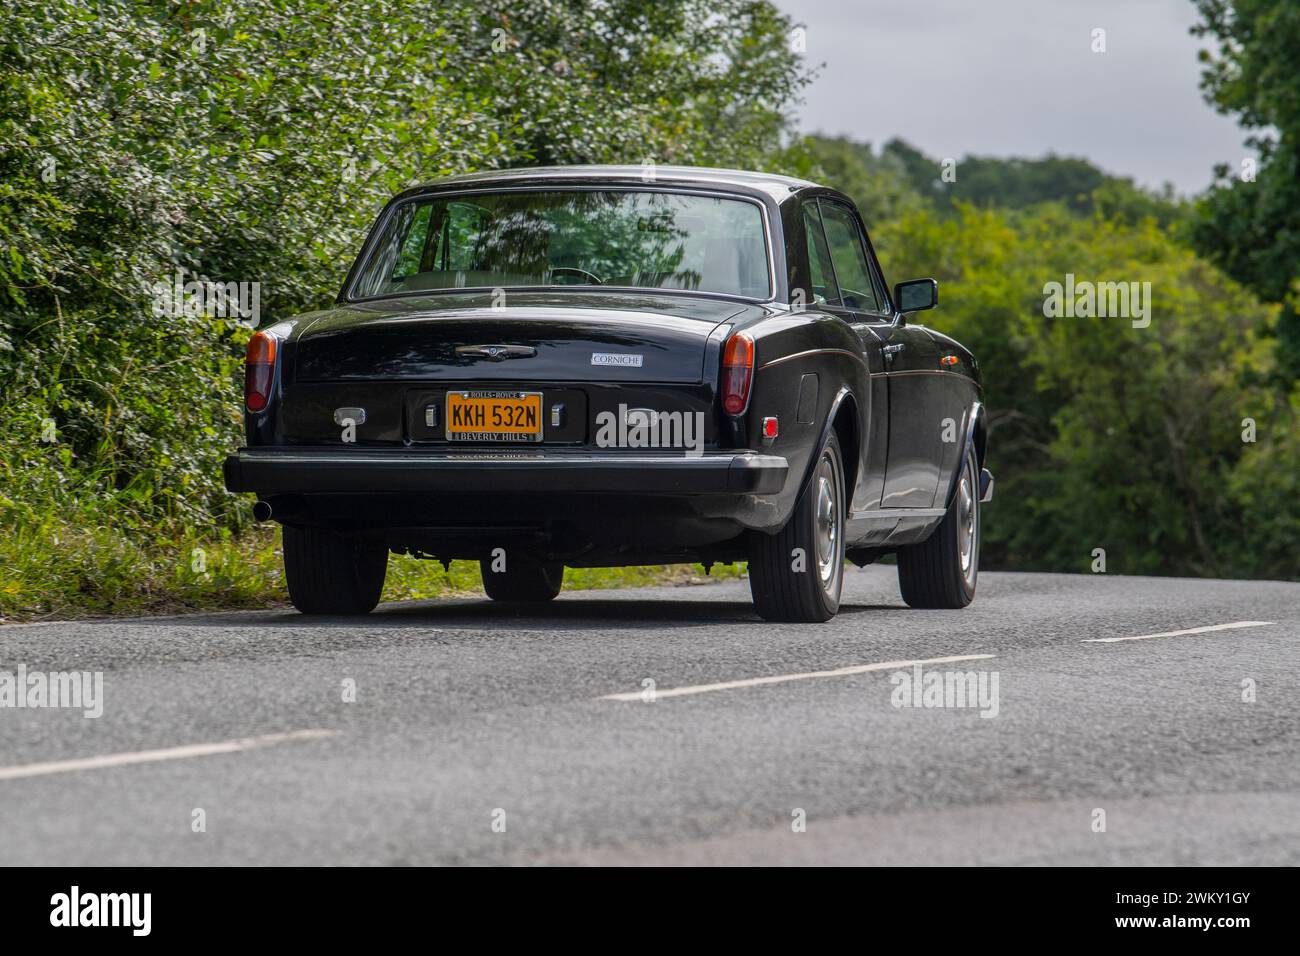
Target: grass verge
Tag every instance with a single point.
(52, 571)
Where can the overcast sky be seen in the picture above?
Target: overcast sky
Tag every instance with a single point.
(1019, 78)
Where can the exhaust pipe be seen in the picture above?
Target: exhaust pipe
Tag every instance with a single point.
(262, 511)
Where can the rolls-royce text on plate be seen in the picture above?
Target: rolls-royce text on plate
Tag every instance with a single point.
(575, 366)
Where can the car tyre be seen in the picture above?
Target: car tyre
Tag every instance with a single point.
(796, 574)
(329, 573)
(942, 570)
(530, 582)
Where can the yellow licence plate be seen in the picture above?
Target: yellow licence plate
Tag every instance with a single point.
(494, 416)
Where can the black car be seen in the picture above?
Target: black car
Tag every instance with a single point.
(604, 366)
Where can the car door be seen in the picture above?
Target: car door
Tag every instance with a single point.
(917, 409)
(909, 384)
(843, 284)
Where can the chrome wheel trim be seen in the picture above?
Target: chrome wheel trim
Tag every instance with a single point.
(967, 524)
(826, 523)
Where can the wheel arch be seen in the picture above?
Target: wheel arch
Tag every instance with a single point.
(976, 436)
(844, 419)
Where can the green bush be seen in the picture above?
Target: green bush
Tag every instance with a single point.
(1102, 434)
(254, 141)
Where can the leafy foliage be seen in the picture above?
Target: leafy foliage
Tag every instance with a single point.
(254, 141)
(901, 178)
(1103, 434)
(1250, 220)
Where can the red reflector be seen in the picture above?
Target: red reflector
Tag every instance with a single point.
(259, 371)
(771, 427)
(737, 373)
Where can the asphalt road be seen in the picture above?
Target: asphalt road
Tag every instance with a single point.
(467, 714)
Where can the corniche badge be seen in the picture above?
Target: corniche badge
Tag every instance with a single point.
(495, 353)
(623, 359)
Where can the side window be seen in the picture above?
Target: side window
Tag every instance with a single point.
(822, 276)
(852, 273)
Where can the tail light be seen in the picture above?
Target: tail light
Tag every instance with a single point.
(259, 371)
(737, 373)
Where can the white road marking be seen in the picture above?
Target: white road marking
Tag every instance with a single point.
(1191, 630)
(783, 678)
(151, 756)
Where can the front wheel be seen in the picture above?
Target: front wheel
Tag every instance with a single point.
(941, 571)
(796, 574)
(328, 573)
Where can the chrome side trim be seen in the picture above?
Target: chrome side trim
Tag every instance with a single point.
(921, 371)
(797, 355)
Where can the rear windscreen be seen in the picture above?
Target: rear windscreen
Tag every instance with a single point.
(622, 238)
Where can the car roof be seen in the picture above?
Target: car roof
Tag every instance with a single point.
(773, 185)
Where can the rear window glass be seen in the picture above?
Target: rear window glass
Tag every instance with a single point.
(648, 240)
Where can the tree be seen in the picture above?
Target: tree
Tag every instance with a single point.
(878, 184)
(1103, 434)
(254, 141)
(1250, 219)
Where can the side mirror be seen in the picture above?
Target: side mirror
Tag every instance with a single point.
(916, 295)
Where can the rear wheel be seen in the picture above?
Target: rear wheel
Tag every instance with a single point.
(796, 574)
(523, 581)
(328, 573)
(941, 571)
